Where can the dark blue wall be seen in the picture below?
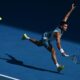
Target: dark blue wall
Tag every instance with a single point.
(40, 16)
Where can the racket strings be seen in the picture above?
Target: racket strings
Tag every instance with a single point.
(75, 59)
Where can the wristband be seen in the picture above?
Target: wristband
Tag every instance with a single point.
(61, 50)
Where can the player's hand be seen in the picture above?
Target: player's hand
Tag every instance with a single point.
(65, 54)
(73, 6)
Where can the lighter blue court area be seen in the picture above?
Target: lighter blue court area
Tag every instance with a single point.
(26, 61)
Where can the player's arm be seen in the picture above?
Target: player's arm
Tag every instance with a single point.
(68, 13)
(58, 40)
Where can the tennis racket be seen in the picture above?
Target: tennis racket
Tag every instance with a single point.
(75, 58)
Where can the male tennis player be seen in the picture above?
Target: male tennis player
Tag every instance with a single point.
(50, 36)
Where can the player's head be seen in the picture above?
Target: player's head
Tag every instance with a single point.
(64, 25)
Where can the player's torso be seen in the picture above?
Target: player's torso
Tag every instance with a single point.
(51, 34)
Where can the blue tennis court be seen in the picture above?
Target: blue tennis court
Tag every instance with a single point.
(25, 61)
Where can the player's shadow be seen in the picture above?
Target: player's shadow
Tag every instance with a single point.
(13, 60)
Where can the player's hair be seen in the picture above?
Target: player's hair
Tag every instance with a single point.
(63, 22)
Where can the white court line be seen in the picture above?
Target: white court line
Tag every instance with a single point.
(5, 76)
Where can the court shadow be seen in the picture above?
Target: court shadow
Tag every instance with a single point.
(13, 60)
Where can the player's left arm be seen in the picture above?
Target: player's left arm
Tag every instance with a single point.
(69, 13)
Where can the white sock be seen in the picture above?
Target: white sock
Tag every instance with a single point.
(57, 64)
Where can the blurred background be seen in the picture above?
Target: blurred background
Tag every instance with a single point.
(40, 16)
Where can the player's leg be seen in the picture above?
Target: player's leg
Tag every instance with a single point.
(38, 43)
(53, 53)
(49, 47)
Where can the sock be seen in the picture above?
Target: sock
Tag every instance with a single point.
(57, 64)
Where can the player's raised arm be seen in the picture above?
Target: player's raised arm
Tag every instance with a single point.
(69, 12)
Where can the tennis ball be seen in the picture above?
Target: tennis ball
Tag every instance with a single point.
(0, 18)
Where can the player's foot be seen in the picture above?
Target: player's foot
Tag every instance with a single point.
(60, 68)
(25, 36)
